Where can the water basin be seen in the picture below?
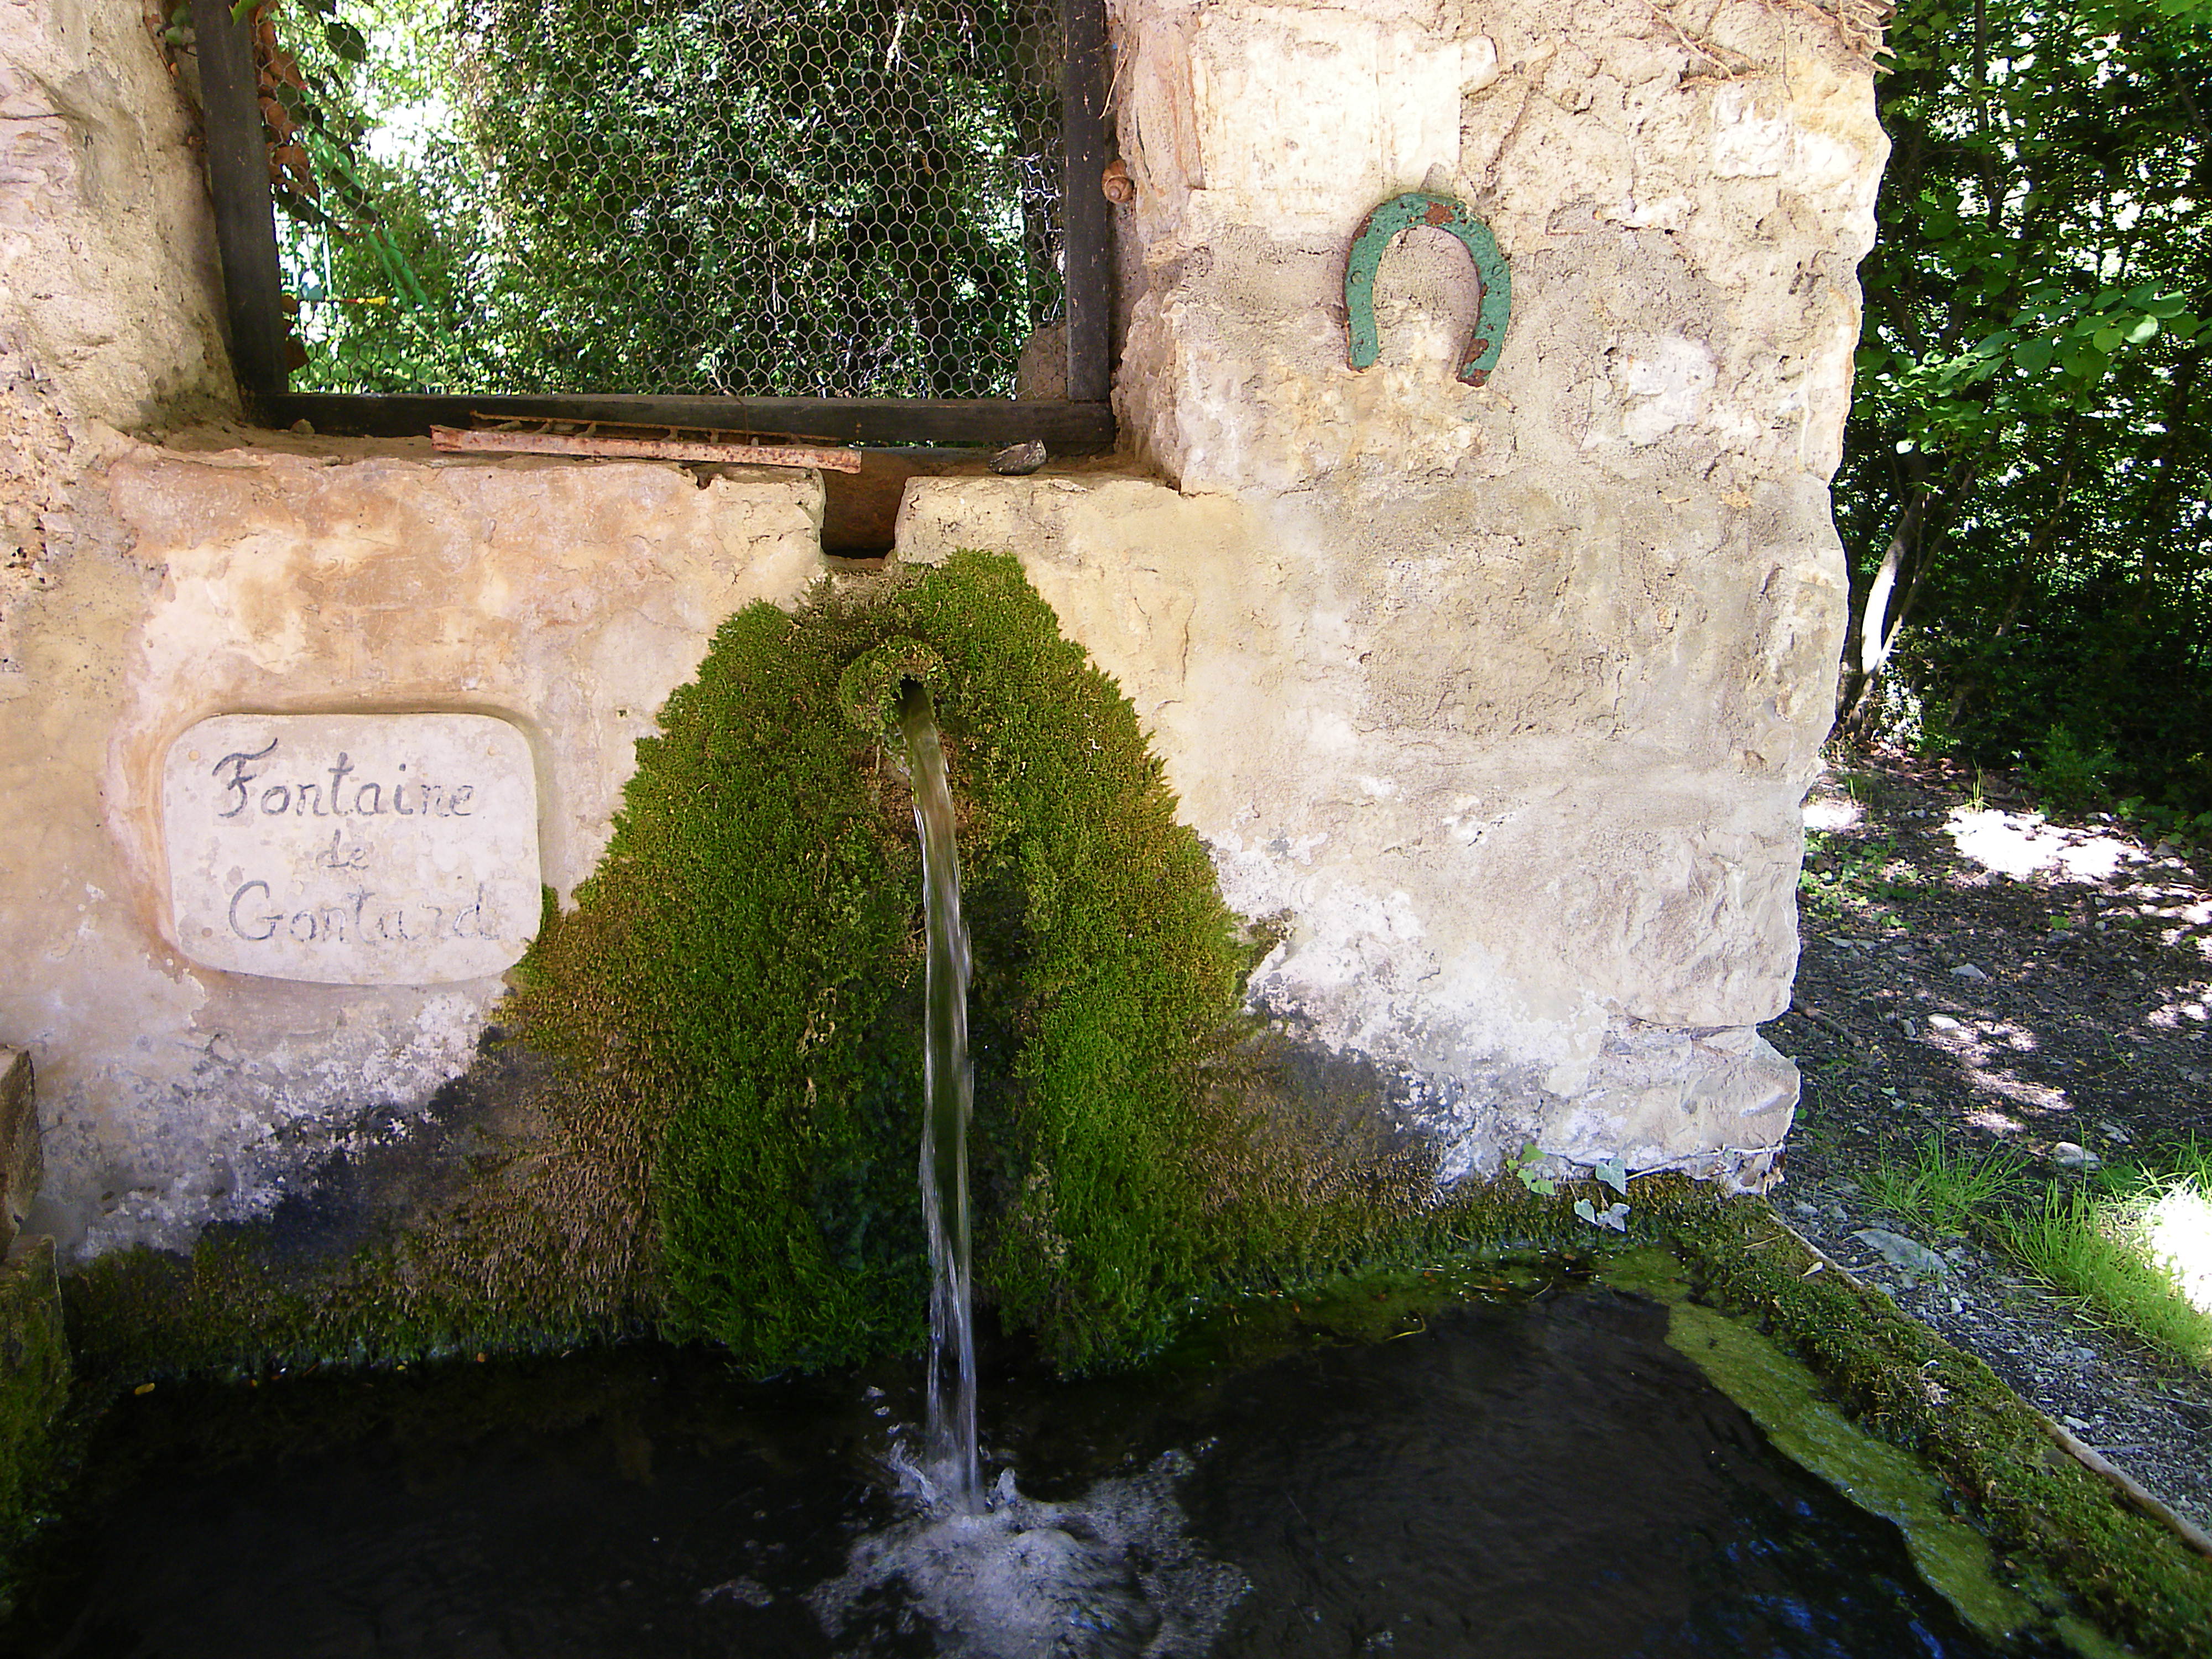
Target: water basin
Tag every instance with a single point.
(1510, 1474)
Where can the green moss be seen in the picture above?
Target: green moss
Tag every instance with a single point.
(237, 1307)
(34, 1381)
(2058, 1524)
(746, 960)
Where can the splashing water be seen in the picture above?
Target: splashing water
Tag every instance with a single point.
(948, 1089)
(1002, 1576)
(1112, 1575)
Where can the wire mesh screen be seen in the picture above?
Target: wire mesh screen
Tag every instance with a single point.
(801, 198)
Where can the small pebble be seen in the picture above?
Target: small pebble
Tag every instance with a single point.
(2068, 1156)
(1018, 461)
(1943, 1023)
(1967, 970)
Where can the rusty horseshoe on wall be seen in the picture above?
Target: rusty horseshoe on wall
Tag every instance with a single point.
(1418, 207)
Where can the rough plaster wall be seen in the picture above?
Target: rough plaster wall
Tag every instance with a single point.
(109, 284)
(1506, 698)
(108, 278)
(568, 599)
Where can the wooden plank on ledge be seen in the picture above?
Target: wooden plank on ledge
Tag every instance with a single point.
(453, 439)
(1069, 429)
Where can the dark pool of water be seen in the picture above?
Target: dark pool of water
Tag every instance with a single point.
(1524, 1477)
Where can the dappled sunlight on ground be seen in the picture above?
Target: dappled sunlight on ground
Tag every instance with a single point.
(2177, 1232)
(2019, 844)
(1977, 978)
(1829, 814)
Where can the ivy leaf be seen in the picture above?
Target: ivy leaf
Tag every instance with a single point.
(346, 41)
(1614, 1174)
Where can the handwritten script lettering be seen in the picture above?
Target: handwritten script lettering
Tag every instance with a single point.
(352, 849)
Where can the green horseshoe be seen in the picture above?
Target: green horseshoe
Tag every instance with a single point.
(1418, 207)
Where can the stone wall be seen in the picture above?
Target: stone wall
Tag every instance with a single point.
(304, 577)
(1500, 701)
(1502, 698)
(109, 289)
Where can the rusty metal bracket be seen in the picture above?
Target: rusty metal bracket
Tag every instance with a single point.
(1376, 233)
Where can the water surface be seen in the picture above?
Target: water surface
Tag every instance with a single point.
(1518, 1478)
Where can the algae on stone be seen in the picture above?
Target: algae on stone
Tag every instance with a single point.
(745, 960)
(34, 1381)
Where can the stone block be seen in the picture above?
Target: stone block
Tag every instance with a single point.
(302, 584)
(352, 849)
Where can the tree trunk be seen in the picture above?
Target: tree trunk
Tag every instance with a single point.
(1879, 623)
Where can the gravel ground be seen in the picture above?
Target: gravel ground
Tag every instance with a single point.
(1971, 972)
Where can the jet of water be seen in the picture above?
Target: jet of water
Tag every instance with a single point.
(949, 1086)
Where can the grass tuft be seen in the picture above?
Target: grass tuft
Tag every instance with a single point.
(2103, 1246)
(2130, 1248)
(1945, 1190)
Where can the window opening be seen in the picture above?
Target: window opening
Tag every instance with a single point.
(835, 219)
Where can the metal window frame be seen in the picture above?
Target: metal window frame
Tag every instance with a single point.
(246, 235)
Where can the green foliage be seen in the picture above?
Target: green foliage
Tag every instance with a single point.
(2093, 1244)
(2068, 774)
(1851, 880)
(2028, 452)
(1527, 1167)
(634, 195)
(34, 1381)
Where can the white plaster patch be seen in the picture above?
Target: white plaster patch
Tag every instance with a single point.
(352, 849)
(1306, 119)
(1664, 380)
(1748, 143)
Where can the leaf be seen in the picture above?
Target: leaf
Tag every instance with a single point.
(2034, 355)
(1614, 1174)
(1614, 1215)
(2083, 360)
(2106, 340)
(346, 41)
(2141, 330)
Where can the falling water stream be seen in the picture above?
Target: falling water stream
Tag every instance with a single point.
(949, 1090)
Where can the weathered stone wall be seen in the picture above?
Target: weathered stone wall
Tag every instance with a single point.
(109, 290)
(108, 280)
(1504, 698)
(567, 599)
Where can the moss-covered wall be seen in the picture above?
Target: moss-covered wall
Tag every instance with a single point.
(705, 1118)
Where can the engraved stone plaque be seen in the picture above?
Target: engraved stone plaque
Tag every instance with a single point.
(352, 849)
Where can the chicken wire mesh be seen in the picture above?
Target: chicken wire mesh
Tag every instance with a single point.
(804, 198)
